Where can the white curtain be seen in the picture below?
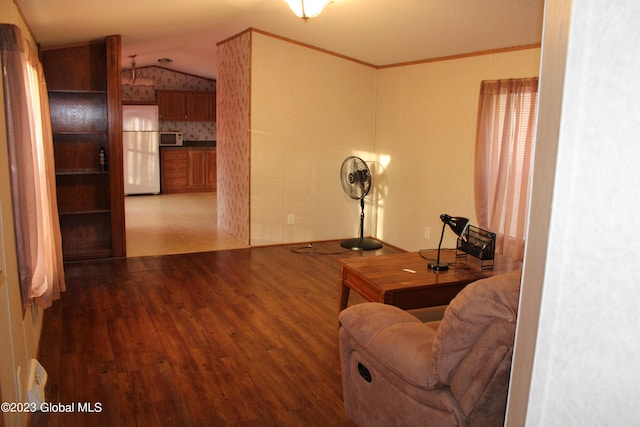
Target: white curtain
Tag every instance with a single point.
(33, 191)
(505, 144)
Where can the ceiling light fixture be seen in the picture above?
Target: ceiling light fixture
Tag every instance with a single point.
(306, 9)
(133, 77)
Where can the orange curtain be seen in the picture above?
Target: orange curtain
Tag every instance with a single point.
(505, 145)
(31, 162)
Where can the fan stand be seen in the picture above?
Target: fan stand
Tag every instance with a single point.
(360, 243)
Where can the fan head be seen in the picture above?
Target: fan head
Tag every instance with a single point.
(356, 177)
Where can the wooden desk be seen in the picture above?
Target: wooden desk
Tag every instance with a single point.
(385, 278)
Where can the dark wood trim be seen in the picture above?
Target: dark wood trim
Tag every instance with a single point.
(73, 45)
(134, 102)
(114, 101)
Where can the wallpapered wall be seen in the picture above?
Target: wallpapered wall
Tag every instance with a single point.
(164, 79)
(234, 142)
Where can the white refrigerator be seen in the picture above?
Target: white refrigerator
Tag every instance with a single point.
(141, 149)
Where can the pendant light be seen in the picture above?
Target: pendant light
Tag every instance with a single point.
(133, 77)
(306, 9)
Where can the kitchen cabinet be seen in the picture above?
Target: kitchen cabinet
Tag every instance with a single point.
(188, 169)
(211, 171)
(173, 170)
(84, 98)
(186, 106)
(171, 105)
(200, 106)
(197, 168)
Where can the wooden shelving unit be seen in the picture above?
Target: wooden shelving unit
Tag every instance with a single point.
(84, 99)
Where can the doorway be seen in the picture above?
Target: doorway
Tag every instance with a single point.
(178, 223)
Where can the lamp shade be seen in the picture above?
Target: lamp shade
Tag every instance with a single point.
(306, 9)
(456, 223)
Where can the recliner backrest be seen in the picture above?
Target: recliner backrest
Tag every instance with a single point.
(473, 346)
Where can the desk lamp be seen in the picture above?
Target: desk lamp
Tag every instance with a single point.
(458, 225)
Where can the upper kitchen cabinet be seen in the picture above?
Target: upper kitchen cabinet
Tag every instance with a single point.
(186, 106)
(201, 106)
(171, 105)
(84, 98)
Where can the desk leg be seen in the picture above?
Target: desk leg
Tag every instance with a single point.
(344, 292)
(344, 296)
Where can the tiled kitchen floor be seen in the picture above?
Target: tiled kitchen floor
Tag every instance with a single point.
(174, 223)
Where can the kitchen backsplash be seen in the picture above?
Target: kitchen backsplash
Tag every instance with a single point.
(164, 79)
(192, 131)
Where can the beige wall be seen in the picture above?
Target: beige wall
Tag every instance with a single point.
(19, 334)
(415, 124)
(425, 137)
(309, 111)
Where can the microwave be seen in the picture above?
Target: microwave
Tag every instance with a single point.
(170, 138)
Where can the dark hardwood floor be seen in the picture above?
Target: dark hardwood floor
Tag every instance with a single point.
(244, 337)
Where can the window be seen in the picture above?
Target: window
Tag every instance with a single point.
(38, 241)
(505, 144)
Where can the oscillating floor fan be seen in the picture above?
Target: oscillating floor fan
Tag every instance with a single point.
(356, 182)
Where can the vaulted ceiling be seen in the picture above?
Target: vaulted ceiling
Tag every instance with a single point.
(377, 32)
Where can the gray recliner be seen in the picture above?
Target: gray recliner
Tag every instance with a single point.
(398, 371)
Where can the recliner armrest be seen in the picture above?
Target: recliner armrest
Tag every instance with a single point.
(394, 338)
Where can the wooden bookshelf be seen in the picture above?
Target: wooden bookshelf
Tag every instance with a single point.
(84, 99)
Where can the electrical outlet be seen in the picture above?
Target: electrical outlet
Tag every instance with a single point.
(37, 383)
(427, 233)
(291, 219)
